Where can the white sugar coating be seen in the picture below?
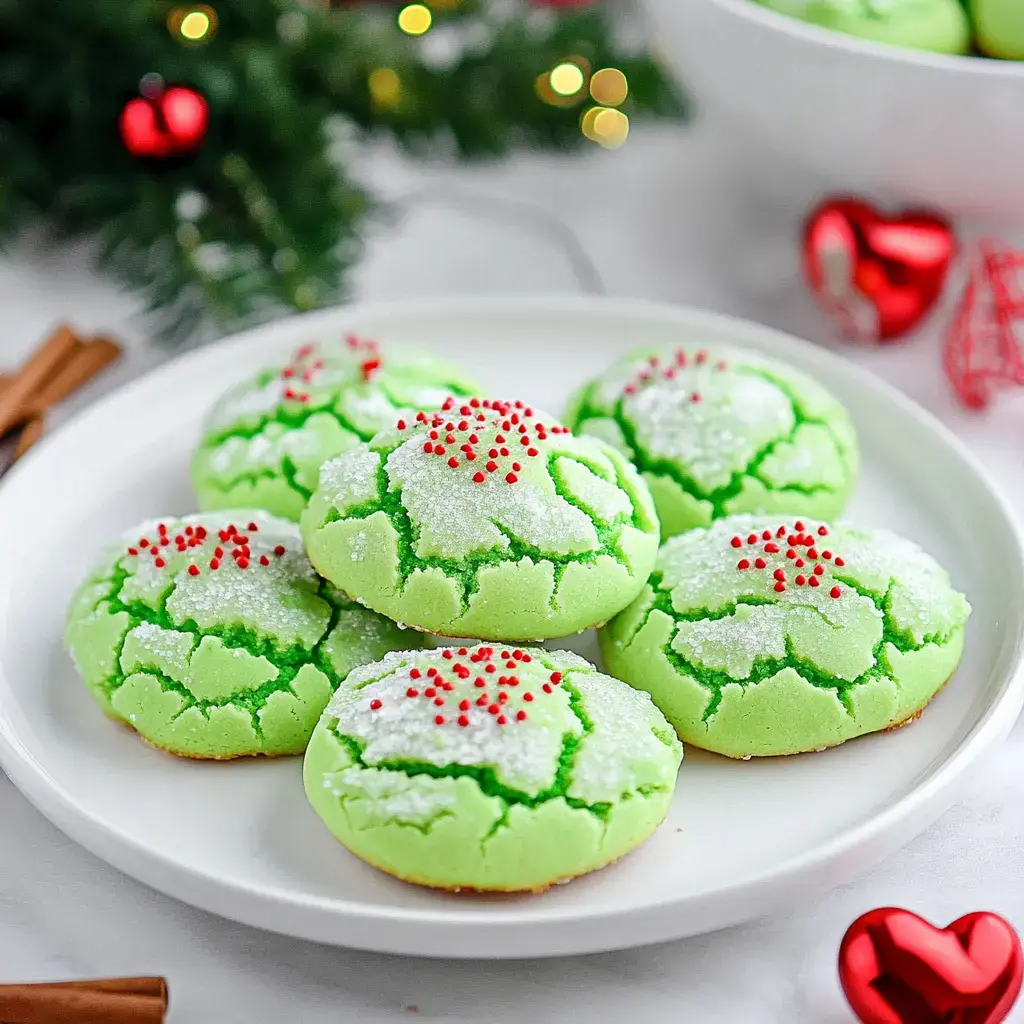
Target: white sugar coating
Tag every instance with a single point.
(456, 516)
(616, 752)
(718, 435)
(833, 624)
(390, 796)
(248, 402)
(352, 480)
(149, 646)
(607, 765)
(279, 600)
(711, 414)
(604, 501)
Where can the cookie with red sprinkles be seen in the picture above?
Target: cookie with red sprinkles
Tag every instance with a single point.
(717, 431)
(212, 637)
(266, 438)
(486, 519)
(490, 768)
(764, 636)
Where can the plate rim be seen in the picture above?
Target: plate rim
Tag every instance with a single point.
(881, 833)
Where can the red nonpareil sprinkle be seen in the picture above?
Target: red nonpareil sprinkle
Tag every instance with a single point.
(243, 563)
(402, 425)
(412, 692)
(479, 478)
(814, 581)
(780, 587)
(483, 700)
(447, 655)
(439, 719)
(767, 535)
(193, 570)
(822, 531)
(133, 551)
(415, 673)
(702, 356)
(840, 562)
(799, 563)
(835, 592)
(480, 682)
(771, 548)
(214, 563)
(812, 552)
(520, 716)
(818, 570)
(780, 575)
(501, 720)
(826, 555)
(264, 560)
(159, 563)
(556, 677)
(791, 553)
(799, 525)
(695, 397)
(279, 550)
(532, 452)
(743, 563)
(431, 672)
(801, 580)
(494, 708)
(144, 543)
(528, 697)
(465, 705)
(511, 478)
(503, 697)
(161, 528)
(439, 701)
(752, 539)
(760, 563)
(376, 705)
(463, 652)
(504, 452)
(253, 528)
(430, 691)
(547, 688)
(164, 541)
(463, 721)
(736, 542)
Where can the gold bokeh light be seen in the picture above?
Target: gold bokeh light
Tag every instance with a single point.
(192, 24)
(606, 126)
(385, 87)
(415, 19)
(566, 79)
(609, 87)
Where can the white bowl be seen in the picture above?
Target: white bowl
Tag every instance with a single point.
(903, 125)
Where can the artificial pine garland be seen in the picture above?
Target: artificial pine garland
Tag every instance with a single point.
(195, 141)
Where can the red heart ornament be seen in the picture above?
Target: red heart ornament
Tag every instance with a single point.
(166, 124)
(879, 276)
(896, 968)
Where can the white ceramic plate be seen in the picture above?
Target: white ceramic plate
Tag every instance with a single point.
(238, 839)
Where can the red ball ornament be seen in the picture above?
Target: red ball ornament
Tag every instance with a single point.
(878, 276)
(896, 968)
(164, 123)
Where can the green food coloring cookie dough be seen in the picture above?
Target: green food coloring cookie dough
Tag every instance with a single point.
(490, 769)
(212, 637)
(720, 431)
(265, 440)
(999, 27)
(937, 25)
(758, 638)
(486, 520)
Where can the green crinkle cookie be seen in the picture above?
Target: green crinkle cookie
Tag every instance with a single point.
(486, 520)
(490, 769)
(212, 637)
(266, 439)
(941, 26)
(720, 431)
(756, 638)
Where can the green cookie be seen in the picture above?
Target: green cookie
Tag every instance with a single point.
(485, 520)
(999, 27)
(212, 636)
(490, 769)
(266, 439)
(937, 25)
(756, 638)
(720, 431)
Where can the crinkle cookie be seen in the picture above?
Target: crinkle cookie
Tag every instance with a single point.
(487, 519)
(265, 440)
(489, 768)
(720, 431)
(212, 637)
(941, 26)
(758, 638)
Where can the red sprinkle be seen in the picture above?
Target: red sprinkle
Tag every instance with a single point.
(159, 563)
(818, 570)
(556, 677)
(439, 719)
(835, 592)
(801, 580)
(520, 716)
(264, 560)
(511, 478)
(193, 570)
(743, 563)
(376, 705)
(822, 531)
(840, 562)
(279, 550)
(528, 697)
(760, 563)
(814, 581)
(214, 563)
(780, 587)
(780, 575)
(463, 721)
(548, 688)
(415, 673)
(412, 692)
(736, 542)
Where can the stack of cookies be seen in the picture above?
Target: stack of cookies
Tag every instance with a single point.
(383, 552)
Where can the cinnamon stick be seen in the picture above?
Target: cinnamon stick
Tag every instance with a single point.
(105, 1001)
(87, 360)
(39, 368)
(31, 432)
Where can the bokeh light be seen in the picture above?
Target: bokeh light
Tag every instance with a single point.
(195, 24)
(566, 79)
(605, 126)
(415, 19)
(385, 87)
(609, 87)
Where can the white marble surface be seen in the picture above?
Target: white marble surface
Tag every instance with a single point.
(692, 217)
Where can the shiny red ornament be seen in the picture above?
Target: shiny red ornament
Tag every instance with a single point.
(896, 968)
(878, 276)
(164, 123)
(984, 348)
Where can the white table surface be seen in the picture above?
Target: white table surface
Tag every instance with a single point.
(690, 216)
